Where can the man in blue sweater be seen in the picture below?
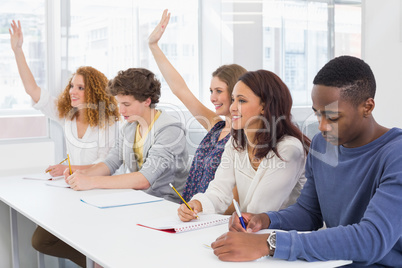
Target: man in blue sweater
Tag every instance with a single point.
(354, 184)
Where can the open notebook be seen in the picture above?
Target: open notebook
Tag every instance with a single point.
(174, 225)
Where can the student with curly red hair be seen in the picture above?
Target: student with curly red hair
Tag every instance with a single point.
(89, 117)
(85, 110)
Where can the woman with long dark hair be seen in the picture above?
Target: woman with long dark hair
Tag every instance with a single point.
(266, 155)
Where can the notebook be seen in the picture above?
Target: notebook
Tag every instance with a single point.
(119, 199)
(174, 225)
(43, 177)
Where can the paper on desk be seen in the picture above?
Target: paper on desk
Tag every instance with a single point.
(42, 177)
(127, 198)
(58, 183)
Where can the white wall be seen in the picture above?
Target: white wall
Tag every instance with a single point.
(382, 50)
(20, 157)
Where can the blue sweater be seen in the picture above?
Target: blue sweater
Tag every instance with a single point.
(357, 192)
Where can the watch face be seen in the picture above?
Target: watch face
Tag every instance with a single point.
(272, 240)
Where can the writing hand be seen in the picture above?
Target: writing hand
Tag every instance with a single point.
(254, 222)
(56, 170)
(186, 214)
(237, 246)
(78, 181)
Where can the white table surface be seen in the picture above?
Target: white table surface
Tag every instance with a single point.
(111, 237)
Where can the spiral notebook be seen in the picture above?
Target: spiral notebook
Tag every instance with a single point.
(175, 225)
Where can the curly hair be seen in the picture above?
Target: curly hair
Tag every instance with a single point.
(277, 118)
(137, 82)
(352, 75)
(229, 74)
(100, 107)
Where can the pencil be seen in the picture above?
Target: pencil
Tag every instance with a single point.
(69, 165)
(182, 198)
(57, 164)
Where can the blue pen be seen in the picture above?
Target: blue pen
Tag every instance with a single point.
(236, 205)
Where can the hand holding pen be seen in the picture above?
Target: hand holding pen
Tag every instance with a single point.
(253, 222)
(236, 206)
(187, 211)
(56, 170)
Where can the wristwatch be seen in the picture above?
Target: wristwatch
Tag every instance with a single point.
(272, 243)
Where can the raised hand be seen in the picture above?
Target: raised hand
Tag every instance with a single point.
(16, 38)
(157, 33)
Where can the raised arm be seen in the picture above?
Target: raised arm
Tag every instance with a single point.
(16, 40)
(206, 117)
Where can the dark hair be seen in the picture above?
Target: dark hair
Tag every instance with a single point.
(352, 75)
(277, 102)
(229, 74)
(137, 82)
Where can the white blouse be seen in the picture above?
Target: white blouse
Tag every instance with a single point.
(275, 185)
(93, 147)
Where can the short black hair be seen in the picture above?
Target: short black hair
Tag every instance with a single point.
(352, 75)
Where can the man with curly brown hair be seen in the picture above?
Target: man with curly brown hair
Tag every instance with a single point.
(151, 151)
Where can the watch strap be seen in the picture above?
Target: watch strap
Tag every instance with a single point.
(272, 243)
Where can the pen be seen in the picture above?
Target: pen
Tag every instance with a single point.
(69, 165)
(182, 198)
(236, 205)
(58, 164)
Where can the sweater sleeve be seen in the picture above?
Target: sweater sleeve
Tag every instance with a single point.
(169, 145)
(366, 242)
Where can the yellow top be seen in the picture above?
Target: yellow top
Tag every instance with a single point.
(138, 146)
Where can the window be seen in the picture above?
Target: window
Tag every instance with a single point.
(294, 39)
(304, 35)
(113, 36)
(17, 117)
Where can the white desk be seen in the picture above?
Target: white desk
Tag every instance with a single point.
(111, 237)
